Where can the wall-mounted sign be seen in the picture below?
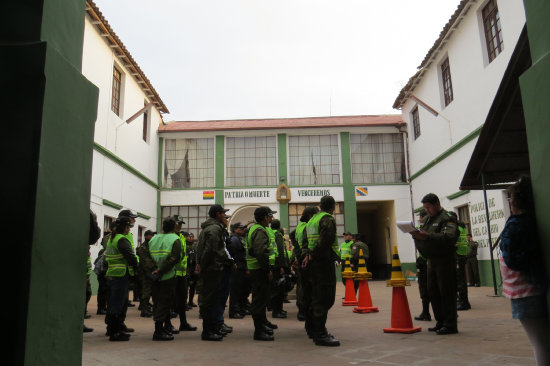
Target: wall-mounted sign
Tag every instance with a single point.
(361, 191)
(207, 195)
(314, 194)
(255, 195)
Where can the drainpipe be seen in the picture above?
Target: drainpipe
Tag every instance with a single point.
(489, 233)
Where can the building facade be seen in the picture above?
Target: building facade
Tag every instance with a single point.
(125, 156)
(445, 105)
(288, 164)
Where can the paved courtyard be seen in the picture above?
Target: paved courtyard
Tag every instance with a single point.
(487, 336)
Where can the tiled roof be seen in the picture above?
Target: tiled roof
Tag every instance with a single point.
(99, 21)
(461, 10)
(283, 123)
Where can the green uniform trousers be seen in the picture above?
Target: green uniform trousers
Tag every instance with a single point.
(323, 292)
(259, 281)
(442, 289)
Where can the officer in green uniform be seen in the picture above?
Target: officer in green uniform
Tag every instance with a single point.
(436, 241)
(345, 251)
(422, 276)
(180, 303)
(144, 304)
(320, 257)
(281, 267)
(471, 263)
(211, 260)
(258, 252)
(120, 258)
(355, 250)
(132, 271)
(461, 257)
(163, 254)
(297, 237)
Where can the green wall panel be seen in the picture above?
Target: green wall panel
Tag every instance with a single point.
(220, 170)
(350, 205)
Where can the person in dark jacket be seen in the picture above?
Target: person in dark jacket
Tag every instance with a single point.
(237, 250)
(146, 285)
(281, 267)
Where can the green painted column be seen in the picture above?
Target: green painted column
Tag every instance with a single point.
(283, 177)
(160, 183)
(350, 205)
(220, 169)
(51, 108)
(535, 93)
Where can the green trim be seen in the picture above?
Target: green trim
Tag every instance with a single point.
(220, 169)
(457, 194)
(350, 201)
(418, 209)
(143, 216)
(283, 171)
(108, 154)
(472, 135)
(112, 204)
(381, 184)
(159, 180)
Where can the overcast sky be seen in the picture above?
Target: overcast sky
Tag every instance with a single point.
(240, 59)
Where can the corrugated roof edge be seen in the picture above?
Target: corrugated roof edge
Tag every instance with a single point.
(93, 11)
(415, 79)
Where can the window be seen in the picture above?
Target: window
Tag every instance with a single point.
(493, 31)
(447, 83)
(295, 212)
(464, 216)
(416, 122)
(107, 221)
(251, 161)
(193, 216)
(189, 163)
(145, 123)
(313, 160)
(377, 158)
(117, 86)
(141, 230)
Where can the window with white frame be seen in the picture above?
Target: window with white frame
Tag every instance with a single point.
(377, 158)
(189, 163)
(116, 92)
(250, 161)
(313, 160)
(193, 216)
(447, 82)
(416, 122)
(492, 30)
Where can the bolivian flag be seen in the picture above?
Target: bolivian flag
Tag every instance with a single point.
(207, 195)
(361, 191)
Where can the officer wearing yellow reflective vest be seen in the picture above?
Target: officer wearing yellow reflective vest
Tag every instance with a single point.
(303, 283)
(280, 268)
(345, 251)
(258, 258)
(120, 258)
(461, 258)
(180, 303)
(165, 253)
(320, 257)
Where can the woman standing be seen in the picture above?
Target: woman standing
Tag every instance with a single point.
(523, 273)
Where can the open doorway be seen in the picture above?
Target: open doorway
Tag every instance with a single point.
(376, 222)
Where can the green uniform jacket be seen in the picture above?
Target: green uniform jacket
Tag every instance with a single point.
(327, 236)
(282, 257)
(211, 254)
(355, 249)
(443, 233)
(258, 247)
(472, 249)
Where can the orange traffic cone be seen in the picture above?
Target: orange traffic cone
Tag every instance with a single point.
(347, 274)
(365, 300)
(401, 321)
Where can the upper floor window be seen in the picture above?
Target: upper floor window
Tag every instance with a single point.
(447, 82)
(251, 161)
(116, 91)
(145, 123)
(377, 158)
(313, 160)
(189, 163)
(493, 31)
(416, 122)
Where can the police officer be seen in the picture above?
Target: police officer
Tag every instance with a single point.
(422, 276)
(345, 251)
(237, 250)
(281, 267)
(320, 257)
(355, 251)
(471, 263)
(192, 265)
(303, 284)
(258, 252)
(461, 258)
(163, 254)
(211, 259)
(144, 304)
(120, 258)
(436, 240)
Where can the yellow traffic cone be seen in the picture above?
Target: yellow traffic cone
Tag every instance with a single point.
(347, 274)
(365, 301)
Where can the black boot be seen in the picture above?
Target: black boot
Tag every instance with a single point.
(261, 331)
(425, 315)
(160, 333)
(208, 333)
(115, 329)
(169, 328)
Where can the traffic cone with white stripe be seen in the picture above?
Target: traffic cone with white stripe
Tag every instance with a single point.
(347, 274)
(362, 275)
(401, 320)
